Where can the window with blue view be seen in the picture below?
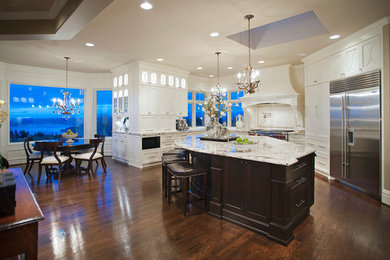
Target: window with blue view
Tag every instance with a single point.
(31, 113)
(189, 117)
(104, 112)
(199, 113)
(236, 110)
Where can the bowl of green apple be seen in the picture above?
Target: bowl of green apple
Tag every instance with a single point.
(244, 141)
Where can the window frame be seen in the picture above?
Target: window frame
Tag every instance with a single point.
(6, 124)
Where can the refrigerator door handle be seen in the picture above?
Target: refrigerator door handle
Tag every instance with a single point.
(351, 137)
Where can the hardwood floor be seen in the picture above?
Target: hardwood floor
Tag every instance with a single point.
(123, 215)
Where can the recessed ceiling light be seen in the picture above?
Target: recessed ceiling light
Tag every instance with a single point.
(146, 5)
(199, 68)
(89, 44)
(261, 61)
(301, 54)
(211, 76)
(334, 36)
(229, 68)
(160, 59)
(214, 34)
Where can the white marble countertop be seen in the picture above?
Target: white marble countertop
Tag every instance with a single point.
(267, 149)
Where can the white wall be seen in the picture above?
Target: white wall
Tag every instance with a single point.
(199, 83)
(20, 74)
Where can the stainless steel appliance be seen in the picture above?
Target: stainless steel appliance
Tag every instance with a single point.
(355, 132)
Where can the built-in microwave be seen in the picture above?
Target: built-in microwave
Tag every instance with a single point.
(150, 142)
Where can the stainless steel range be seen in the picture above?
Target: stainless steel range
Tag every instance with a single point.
(278, 134)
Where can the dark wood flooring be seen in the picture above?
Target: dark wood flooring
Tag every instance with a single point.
(123, 215)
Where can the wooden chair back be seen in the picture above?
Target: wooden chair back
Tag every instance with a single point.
(103, 138)
(48, 146)
(27, 147)
(95, 143)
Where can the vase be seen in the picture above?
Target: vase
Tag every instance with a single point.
(214, 128)
(239, 122)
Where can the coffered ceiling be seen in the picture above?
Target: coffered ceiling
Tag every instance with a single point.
(178, 31)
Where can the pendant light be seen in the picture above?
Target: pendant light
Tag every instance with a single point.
(248, 81)
(66, 106)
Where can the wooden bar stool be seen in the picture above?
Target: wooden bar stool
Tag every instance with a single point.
(165, 160)
(185, 171)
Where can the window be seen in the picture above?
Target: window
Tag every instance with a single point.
(236, 110)
(31, 113)
(104, 112)
(196, 118)
(189, 117)
(199, 115)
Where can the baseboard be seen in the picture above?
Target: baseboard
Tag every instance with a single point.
(324, 174)
(386, 197)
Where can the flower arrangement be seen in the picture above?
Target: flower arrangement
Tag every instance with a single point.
(3, 113)
(216, 104)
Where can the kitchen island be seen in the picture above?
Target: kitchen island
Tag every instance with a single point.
(267, 187)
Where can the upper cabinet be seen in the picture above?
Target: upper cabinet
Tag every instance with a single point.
(359, 58)
(161, 79)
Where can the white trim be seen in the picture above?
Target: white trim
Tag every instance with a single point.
(386, 197)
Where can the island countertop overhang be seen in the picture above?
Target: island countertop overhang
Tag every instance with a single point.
(266, 149)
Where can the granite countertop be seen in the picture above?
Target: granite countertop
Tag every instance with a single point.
(267, 149)
(165, 132)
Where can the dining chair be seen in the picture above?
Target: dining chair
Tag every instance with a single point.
(31, 156)
(51, 160)
(103, 138)
(90, 157)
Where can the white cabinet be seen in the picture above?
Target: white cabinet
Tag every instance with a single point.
(119, 147)
(180, 103)
(371, 57)
(144, 101)
(317, 124)
(317, 72)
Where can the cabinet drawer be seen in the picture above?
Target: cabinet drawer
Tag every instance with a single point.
(298, 199)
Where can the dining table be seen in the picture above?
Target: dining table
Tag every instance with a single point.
(68, 148)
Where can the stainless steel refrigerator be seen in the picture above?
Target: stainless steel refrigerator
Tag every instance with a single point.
(355, 129)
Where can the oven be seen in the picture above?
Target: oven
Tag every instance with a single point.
(150, 142)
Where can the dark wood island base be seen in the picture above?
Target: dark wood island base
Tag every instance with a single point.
(266, 198)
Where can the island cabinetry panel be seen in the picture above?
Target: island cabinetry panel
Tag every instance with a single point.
(247, 193)
(266, 198)
(216, 184)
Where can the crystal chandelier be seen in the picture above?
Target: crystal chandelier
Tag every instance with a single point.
(218, 90)
(66, 106)
(249, 80)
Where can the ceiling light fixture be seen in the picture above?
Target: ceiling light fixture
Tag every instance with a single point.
(160, 59)
(333, 37)
(66, 106)
(248, 81)
(214, 34)
(89, 44)
(199, 68)
(261, 61)
(146, 5)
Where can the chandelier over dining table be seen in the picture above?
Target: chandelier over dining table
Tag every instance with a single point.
(66, 106)
(248, 81)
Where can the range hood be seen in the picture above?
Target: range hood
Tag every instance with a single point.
(275, 103)
(275, 88)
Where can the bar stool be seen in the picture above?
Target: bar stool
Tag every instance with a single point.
(176, 151)
(185, 171)
(165, 160)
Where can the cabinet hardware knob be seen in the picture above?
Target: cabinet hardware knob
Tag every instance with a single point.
(300, 204)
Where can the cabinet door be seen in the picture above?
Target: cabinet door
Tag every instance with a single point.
(156, 101)
(311, 74)
(180, 103)
(144, 100)
(351, 61)
(258, 191)
(336, 66)
(371, 54)
(311, 109)
(233, 192)
(317, 109)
